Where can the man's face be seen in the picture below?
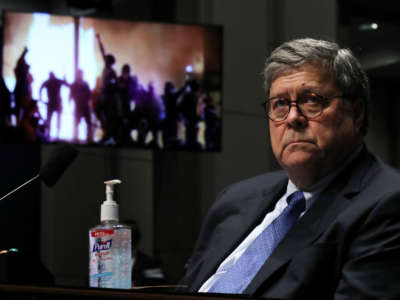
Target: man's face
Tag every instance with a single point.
(303, 146)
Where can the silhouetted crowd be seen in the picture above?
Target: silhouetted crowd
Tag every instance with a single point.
(127, 113)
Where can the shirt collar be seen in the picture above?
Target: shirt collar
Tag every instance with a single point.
(312, 192)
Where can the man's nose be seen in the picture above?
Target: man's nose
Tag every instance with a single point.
(295, 117)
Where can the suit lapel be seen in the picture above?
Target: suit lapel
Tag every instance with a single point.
(234, 230)
(328, 205)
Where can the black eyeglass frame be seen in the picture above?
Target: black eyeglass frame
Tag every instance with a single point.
(321, 98)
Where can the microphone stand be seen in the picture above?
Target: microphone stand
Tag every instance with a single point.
(21, 186)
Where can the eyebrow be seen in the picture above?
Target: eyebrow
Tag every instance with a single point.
(301, 91)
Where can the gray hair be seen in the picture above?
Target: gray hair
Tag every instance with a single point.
(341, 63)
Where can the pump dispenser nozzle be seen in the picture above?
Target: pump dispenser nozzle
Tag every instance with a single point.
(109, 208)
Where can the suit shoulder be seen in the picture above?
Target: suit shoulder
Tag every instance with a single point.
(259, 182)
(379, 188)
(248, 192)
(385, 177)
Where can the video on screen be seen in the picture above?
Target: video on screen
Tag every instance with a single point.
(106, 82)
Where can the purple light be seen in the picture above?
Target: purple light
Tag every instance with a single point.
(189, 69)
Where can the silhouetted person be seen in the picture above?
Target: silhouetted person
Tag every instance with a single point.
(53, 87)
(29, 124)
(128, 87)
(129, 92)
(172, 116)
(22, 90)
(189, 110)
(109, 98)
(211, 121)
(80, 93)
(5, 108)
(150, 110)
(96, 104)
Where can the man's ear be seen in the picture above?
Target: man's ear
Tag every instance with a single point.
(358, 113)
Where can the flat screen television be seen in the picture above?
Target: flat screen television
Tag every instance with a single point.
(107, 82)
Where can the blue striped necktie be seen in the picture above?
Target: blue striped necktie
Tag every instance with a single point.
(238, 275)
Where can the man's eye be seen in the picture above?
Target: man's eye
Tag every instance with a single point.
(311, 99)
(280, 103)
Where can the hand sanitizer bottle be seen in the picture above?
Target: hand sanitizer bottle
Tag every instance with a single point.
(110, 247)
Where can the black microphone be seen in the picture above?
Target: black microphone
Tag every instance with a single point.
(60, 159)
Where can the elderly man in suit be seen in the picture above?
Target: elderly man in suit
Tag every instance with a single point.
(328, 225)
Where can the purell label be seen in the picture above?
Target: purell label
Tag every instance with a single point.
(102, 245)
(110, 258)
(102, 233)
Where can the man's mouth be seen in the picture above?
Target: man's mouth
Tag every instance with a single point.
(298, 142)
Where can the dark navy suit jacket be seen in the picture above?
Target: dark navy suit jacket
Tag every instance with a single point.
(346, 246)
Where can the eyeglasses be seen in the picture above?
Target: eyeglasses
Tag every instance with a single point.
(309, 105)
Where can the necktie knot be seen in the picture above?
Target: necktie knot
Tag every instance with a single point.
(297, 201)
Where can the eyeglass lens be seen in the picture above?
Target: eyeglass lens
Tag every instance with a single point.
(309, 106)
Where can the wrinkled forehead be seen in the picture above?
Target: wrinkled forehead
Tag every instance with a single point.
(318, 71)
